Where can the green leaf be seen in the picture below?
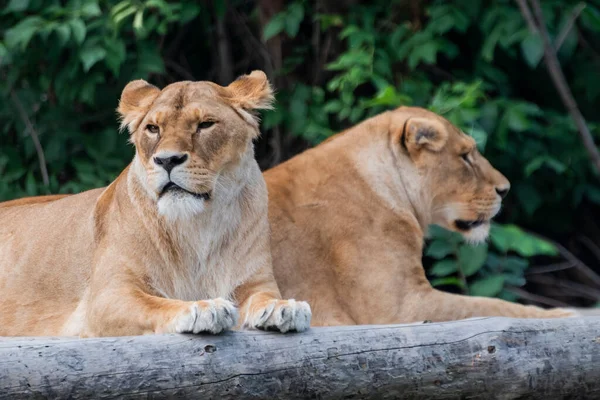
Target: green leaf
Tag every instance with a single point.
(189, 11)
(115, 55)
(4, 55)
(590, 18)
(517, 119)
(532, 49)
(117, 8)
(528, 197)
(91, 55)
(444, 268)
(511, 238)
(30, 184)
(138, 22)
(487, 287)
(274, 27)
(512, 264)
(437, 232)
(448, 281)
(472, 258)
(149, 59)
(489, 45)
(20, 34)
(332, 106)
(91, 9)
(329, 20)
(16, 6)
(514, 280)
(294, 17)
(387, 96)
(439, 249)
(78, 29)
(480, 137)
(425, 53)
(593, 194)
(122, 14)
(508, 296)
(569, 45)
(547, 161)
(63, 33)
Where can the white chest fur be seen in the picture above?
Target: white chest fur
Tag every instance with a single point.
(213, 243)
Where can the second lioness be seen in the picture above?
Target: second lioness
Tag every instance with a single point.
(181, 232)
(349, 216)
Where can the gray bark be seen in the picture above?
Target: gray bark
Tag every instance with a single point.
(486, 358)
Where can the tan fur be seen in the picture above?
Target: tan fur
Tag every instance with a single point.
(132, 259)
(348, 220)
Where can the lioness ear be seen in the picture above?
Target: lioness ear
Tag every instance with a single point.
(426, 133)
(136, 99)
(252, 92)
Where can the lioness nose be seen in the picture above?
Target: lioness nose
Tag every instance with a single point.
(168, 163)
(502, 190)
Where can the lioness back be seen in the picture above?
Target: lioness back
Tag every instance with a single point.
(42, 263)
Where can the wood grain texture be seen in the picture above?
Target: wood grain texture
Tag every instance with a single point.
(486, 358)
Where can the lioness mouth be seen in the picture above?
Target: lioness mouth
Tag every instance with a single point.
(464, 225)
(173, 187)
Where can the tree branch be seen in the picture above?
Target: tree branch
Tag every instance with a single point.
(574, 289)
(538, 26)
(225, 72)
(569, 25)
(572, 259)
(483, 358)
(184, 73)
(33, 134)
(543, 269)
(536, 298)
(527, 15)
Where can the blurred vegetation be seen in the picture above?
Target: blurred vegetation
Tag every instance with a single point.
(334, 63)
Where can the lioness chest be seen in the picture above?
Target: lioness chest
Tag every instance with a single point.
(207, 259)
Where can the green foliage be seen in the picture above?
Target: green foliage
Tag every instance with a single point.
(484, 270)
(287, 21)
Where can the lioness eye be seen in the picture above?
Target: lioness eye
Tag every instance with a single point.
(465, 156)
(204, 125)
(152, 128)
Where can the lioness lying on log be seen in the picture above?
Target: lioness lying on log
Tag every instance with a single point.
(185, 221)
(349, 216)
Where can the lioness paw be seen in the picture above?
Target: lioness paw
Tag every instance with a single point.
(284, 316)
(213, 316)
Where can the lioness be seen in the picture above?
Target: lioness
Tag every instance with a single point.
(165, 247)
(349, 216)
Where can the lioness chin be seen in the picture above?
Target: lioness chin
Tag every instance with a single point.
(348, 220)
(185, 221)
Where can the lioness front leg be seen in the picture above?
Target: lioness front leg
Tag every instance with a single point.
(128, 311)
(261, 306)
(441, 306)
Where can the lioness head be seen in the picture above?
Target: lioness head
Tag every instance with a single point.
(464, 189)
(190, 133)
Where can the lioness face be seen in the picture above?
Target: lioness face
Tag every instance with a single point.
(466, 190)
(189, 133)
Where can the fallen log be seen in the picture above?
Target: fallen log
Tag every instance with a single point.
(485, 358)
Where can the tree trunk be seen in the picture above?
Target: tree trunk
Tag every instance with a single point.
(486, 358)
